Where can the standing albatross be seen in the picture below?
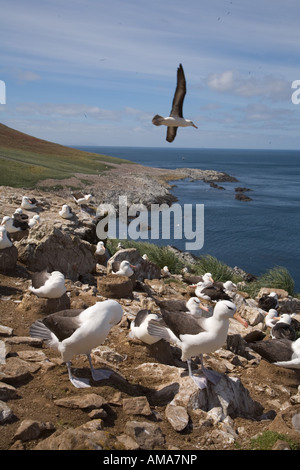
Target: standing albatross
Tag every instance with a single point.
(176, 118)
(197, 339)
(77, 331)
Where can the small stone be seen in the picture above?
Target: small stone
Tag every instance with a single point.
(147, 435)
(88, 402)
(281, 445)
(37, 342)
(5, 331)
(32, 356)
(2, 352)
(137, 406)
(7, 392)
(6, 414)
(128, 442)
(98, 414)
(30, 430)
(16, 370)
(177, 416)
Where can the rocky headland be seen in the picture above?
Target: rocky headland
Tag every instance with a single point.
(149, 402)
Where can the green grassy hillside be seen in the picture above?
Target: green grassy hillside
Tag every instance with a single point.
(25, 160)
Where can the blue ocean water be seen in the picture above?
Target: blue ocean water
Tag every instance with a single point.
(255, 235)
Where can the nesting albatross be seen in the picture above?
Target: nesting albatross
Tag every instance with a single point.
(125, 269)
(195, 340)
(283, 328)
(74, 332)
(5, 241)
(176, 118)
(48, 285)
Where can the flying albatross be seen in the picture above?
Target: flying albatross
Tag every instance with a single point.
(74, 332)
(176, 118)
(195, 339)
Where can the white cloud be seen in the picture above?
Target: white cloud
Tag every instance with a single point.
(269, 87)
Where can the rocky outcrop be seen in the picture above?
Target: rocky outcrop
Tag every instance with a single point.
(144, 269)
(8, 259)
(51, 249)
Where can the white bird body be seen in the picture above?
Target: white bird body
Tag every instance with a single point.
(8, 223)
(5, 242)
(28, 203)
(125, 269)
(294, 362)
(66, 212)
(176, 118)
(271, 318)
(139, 327)
(208, 341)
(100, 249)
(213, 336)
(206, 282)
(176, 122)
(195, 308)
(94, 325)
(209, 336)
(84, 199)
(230, 288)
(74, 332)
(53, 288)
(34, 220)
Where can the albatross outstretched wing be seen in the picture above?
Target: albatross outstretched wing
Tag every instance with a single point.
(179, 95)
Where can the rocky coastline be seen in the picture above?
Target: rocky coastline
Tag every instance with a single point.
(149, 403)
(141, 185)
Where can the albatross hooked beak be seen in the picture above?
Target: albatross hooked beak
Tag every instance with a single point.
(237, 317)
(194, 125)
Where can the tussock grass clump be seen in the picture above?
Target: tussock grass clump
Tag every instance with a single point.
(277, 278)
(160, 255)
(220, 271)
(280, 278)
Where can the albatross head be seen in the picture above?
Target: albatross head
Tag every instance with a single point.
(190, 123)
(225, 310)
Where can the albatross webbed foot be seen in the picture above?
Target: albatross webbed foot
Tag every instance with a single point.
(212, 376)
(200, 381)
(98, 374)
(77, 382)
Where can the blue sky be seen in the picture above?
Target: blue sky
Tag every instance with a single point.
(93, 72)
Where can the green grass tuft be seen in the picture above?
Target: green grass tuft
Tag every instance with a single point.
(220, 271)
(267, 439)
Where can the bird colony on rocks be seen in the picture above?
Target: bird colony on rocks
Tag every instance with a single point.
(128, 355)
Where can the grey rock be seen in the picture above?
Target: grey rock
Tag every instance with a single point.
(2, 352)
(177, 416)
(137, 406)
(79, 439)
(7, 392)
(30, 430)
(147, 435)
(88, 401)
(144, 269)
(5, 330)
(8, 259)
(54, 250)
(16, 370)
(6, 414)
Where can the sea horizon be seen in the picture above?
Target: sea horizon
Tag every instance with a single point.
(255, 236)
